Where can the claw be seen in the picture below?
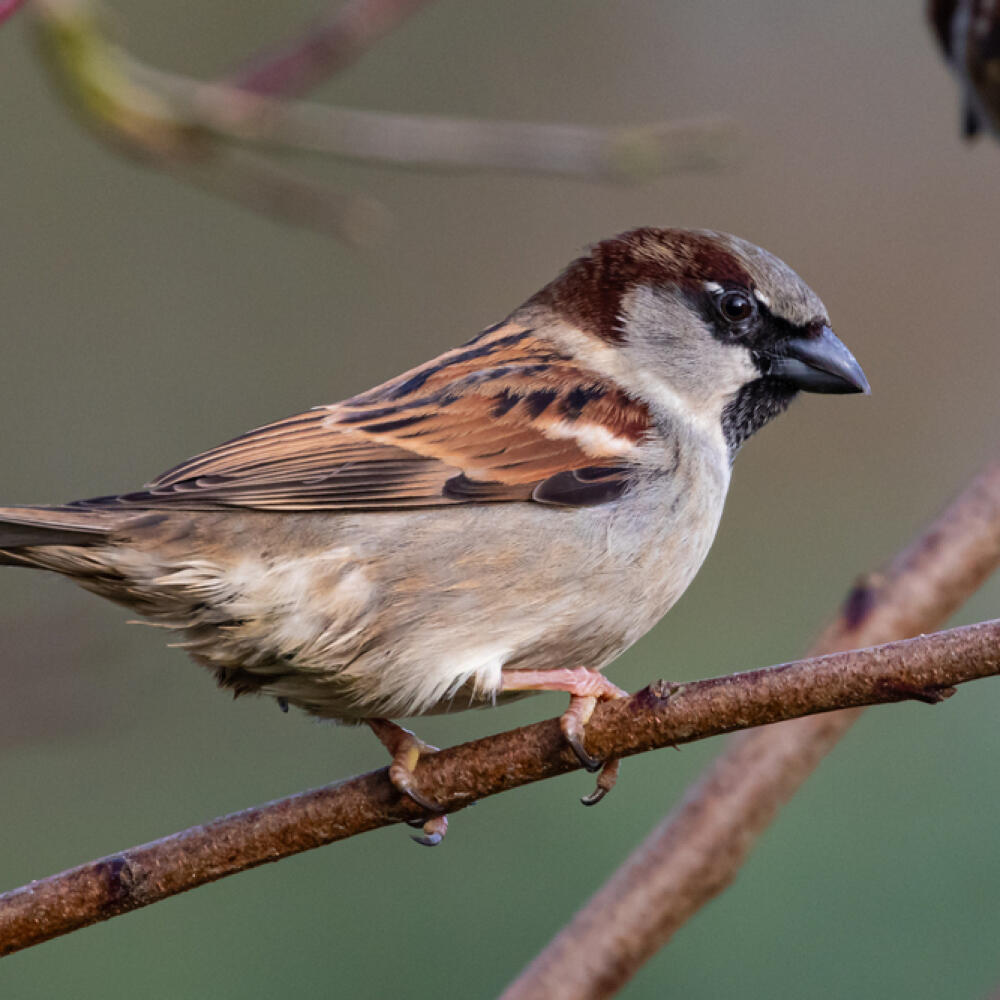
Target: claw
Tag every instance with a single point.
(605, 782)
(406, 750)
(403, 781)
(585, 688)
(434, 830)
(592, 764)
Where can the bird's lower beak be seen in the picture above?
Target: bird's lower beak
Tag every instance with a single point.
(819, 363)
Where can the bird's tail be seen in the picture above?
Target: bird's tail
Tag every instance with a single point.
(28, 527)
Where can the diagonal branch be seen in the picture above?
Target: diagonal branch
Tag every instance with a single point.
(698, 849)
(661, 715)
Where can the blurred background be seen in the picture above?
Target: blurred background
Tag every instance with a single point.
(142, 321)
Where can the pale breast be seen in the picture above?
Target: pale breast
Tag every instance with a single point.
(466, 593)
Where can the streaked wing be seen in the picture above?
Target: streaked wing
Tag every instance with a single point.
(506, 417)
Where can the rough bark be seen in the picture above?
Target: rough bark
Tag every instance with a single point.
(658, 716)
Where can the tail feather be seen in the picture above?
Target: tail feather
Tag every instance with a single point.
(25, 526)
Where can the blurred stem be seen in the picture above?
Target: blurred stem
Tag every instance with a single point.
(186, 127)
(661, 715)
(430, 142)
(699, 848)
(107, 87)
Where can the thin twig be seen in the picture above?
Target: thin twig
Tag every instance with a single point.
(103, 83)
(661, 715)
(333, 43)
(698, 849)
(328, 46)
(432, 142)
(187, 127)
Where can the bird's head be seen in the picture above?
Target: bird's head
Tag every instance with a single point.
(701, 322)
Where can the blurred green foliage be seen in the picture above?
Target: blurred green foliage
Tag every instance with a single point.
(142, 321)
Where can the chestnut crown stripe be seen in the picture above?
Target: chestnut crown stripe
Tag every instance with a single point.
(590, 291)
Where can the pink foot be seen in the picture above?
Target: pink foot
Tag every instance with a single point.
(406, 750)
(586, 688)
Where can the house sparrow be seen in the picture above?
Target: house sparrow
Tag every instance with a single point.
(506, 518)
(968, 32)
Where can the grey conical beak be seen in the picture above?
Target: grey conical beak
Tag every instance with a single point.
(819, 362)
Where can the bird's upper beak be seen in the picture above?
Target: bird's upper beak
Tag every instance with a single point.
(819, 362)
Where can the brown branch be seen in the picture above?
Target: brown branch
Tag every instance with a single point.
(659, 716)
(328, 46)
(698, 849)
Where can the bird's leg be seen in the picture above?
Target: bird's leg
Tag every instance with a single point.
(586, 688)
(406, 750)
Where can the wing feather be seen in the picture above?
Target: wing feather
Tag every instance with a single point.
(505, 417)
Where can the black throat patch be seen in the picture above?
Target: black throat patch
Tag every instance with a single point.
(752, 407)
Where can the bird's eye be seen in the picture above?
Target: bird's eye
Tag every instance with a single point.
(736, 307)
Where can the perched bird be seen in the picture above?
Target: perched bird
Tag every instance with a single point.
(506, 518)
(968, 32)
